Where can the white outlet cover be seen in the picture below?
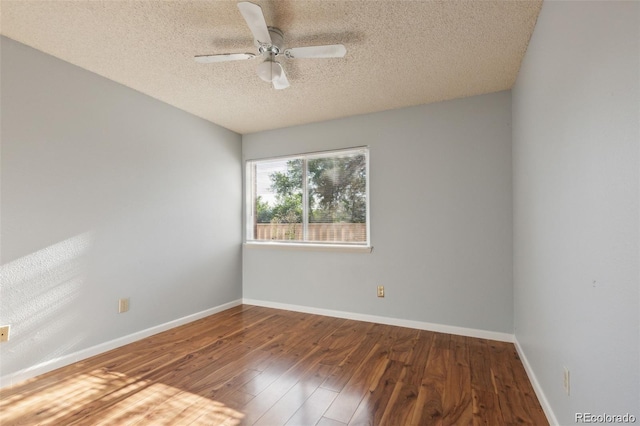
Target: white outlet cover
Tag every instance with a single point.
(123, 305)
(4, 333)
(567, 380)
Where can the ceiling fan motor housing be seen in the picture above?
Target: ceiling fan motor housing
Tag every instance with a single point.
(277, 41)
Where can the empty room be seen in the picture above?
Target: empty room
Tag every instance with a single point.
(318, 212)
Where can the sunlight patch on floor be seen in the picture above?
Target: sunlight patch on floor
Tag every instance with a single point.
(129, 400)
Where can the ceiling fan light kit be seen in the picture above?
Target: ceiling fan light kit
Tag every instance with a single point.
(269, 70)
(270, 43)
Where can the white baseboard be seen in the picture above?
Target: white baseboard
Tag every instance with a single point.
(544, 402)
(441, 328)
(62, 361)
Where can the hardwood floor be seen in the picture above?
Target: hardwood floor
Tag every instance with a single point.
(252, 365)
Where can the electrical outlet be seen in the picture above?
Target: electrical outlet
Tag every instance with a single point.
(123, 305)
(380, 291)
(566, 380)
(4, 333)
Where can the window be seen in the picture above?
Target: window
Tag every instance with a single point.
(319, 198)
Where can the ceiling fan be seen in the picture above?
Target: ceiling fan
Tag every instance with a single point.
(270, 42)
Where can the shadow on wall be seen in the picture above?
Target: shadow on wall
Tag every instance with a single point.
(37, 292)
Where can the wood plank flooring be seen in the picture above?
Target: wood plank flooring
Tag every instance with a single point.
(256, 366)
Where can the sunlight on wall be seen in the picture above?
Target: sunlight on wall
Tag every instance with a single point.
(36, 291)
(128, 400)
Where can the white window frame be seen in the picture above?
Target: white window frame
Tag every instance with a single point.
(249, 205)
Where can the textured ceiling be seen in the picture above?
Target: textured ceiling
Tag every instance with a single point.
(399, 53)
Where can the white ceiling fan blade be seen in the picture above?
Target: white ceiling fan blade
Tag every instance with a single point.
(282, 82)
(252, 13)
(209, 59)
(329, 51)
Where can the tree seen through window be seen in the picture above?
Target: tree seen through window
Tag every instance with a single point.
(336, 194)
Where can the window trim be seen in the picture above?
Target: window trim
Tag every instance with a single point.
(257, 244)
(250, 212)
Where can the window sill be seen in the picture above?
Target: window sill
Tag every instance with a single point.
(309, 247)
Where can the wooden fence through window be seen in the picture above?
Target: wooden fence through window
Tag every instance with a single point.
(331, 232)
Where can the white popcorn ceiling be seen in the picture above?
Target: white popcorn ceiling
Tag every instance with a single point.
(399, 53)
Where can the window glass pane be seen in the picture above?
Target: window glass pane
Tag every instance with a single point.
(314, 198)
(337, 191)
(278, 200)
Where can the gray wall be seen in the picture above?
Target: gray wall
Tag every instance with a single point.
(441, 222)
(576, 142)
(107, 193)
